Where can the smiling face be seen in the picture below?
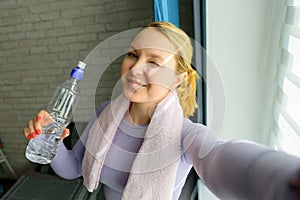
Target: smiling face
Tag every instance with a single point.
(149, 68)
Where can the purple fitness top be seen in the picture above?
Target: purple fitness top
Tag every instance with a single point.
(231, 170)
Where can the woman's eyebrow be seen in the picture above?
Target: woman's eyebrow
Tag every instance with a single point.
(155, 56)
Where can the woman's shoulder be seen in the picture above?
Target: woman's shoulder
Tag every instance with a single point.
(190, 127)
(191, 131)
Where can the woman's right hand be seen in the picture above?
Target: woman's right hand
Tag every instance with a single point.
(35, 125)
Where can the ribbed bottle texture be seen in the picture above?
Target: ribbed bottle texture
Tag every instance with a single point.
(43, 148)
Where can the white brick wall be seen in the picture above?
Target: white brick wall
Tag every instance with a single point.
(40, 42)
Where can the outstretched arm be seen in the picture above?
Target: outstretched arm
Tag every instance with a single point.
(242, 169)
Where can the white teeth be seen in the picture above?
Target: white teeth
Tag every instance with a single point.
(136, 82)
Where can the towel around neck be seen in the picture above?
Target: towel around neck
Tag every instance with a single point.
(153, 173)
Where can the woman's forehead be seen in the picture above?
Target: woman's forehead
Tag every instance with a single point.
(151, 38)
(152, 52)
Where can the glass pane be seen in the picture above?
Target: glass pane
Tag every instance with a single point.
(289, 140)
(291, 91)
(296, 66)
(293, 2)
(294, 49)
(293, 110)
(294, 46)
(296, 3)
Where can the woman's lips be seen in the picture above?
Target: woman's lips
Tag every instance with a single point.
(135, 83)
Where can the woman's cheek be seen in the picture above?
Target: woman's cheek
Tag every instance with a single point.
(164, 77)
(125, 66)
(157, 92)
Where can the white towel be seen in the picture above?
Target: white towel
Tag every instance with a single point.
(153, 173)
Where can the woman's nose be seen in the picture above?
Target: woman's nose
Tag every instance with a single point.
(138, 68)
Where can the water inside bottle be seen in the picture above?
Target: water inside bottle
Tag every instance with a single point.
(43, 148)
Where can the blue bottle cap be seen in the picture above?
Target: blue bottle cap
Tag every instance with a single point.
(78, 72)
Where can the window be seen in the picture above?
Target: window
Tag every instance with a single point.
(286, 123)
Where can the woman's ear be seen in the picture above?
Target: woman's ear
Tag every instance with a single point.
(179, 78)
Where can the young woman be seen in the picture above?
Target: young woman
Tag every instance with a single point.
(142, 144)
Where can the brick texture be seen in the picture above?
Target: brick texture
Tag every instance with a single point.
(41, 41)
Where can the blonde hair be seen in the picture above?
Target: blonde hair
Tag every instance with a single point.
(186, 91)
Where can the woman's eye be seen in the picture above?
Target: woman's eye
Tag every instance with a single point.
(154, 63)
(130, 54)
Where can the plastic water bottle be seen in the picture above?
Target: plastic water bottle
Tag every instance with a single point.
(43, 148)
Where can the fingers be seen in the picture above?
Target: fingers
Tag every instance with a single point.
(31, 131)
(65, 133)
(37, 123)
(35, 126)
(27, 133)
(42, 118)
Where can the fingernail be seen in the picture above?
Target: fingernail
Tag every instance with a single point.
(38, 118)
(38, 131)
(33, 134)
(29, 137)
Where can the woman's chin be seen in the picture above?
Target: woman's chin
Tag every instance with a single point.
(130, 95)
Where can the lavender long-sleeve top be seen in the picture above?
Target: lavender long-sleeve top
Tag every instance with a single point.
(231, 170)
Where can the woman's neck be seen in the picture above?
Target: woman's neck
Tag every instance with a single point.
(140, 113)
